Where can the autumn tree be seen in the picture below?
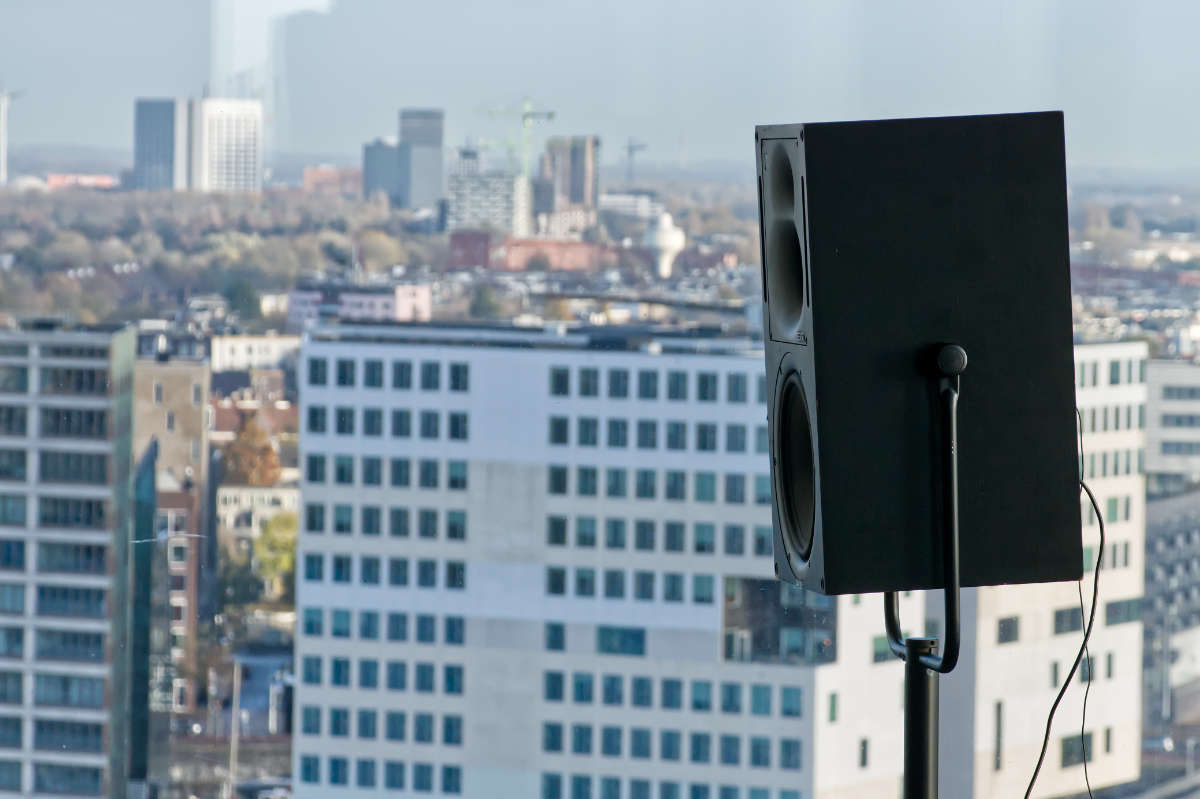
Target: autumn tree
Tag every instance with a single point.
(250, 460)
(275, 553)
(243, 298)
(377, 250)
(68, 250)
(558, 309)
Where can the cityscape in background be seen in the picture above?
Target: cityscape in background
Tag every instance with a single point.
(440, 468)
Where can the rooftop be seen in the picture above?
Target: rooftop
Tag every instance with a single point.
(695, 339)
(47, 324)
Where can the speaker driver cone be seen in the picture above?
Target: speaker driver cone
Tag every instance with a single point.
(795, 472)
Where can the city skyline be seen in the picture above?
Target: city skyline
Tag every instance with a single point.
(439, 400)
(1120, 99)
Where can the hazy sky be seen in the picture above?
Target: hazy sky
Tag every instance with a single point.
(689, 78)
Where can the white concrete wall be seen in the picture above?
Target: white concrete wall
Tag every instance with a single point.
(241, 352)
(1175, 466)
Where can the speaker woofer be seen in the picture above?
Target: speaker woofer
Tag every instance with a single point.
(795, 470)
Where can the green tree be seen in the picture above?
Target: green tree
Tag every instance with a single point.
(236, 580)
(484, 304)
(243, 298)
(250, 460)
(275, 552)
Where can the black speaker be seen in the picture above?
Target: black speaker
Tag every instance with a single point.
(882, 241)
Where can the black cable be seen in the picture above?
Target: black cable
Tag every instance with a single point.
(1087, 634)
(1087, 689)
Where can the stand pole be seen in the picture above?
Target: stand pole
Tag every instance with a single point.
(920, 721)
(922, 664)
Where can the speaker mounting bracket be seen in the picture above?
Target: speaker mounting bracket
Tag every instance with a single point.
(922, 664)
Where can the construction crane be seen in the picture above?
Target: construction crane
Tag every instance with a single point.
(528, 116)
(5, 98)
(631, 148)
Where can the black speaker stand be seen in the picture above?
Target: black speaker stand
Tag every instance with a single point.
(922, 664)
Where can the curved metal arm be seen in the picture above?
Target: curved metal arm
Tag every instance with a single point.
(948, 386)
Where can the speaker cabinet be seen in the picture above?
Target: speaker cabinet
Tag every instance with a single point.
(882, 240)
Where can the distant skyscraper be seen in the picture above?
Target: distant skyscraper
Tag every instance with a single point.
(572, 163)
(211, 144)
(420, 157)
(227, 145)
(243, 42)
(160, 144)
(379, 168)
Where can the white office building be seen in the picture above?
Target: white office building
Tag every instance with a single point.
(227, 145)
(1172, 426)
(67, 725)
(495, 200)
(538, 564)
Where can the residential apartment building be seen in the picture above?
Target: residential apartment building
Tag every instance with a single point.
(492, 200)
(171, 412)
(312, 303)
(1172, 427)
(171, 406)
(538, 563)
(66, 522)
(572, 164)
(180, 517)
